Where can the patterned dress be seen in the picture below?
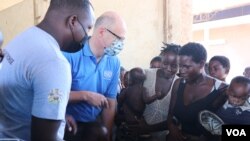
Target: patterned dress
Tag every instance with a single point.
(156, 111)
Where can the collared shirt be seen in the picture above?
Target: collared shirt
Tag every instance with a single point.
(234, 114)
(88, 75)
(244, 107)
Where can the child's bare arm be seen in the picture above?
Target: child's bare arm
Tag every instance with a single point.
(122, 96)
(147, 98)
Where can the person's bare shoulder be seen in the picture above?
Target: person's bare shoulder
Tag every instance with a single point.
(176, 84)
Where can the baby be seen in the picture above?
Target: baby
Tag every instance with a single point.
(236, 110)
(134, 98)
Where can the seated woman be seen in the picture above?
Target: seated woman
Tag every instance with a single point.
(219, 67)
(192, 93)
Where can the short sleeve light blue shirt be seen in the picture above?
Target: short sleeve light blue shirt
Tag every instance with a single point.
(35, 81)
(88, 75)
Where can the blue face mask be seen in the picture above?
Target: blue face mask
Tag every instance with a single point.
(115, 48)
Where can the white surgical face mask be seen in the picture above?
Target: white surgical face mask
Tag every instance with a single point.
(115, 48)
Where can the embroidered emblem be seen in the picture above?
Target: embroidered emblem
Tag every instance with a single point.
(55, 96)
(238, 111)
(107, 75)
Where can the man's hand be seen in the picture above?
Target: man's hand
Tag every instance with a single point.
(71, 125)
(108, 115)
(97, 100)
(93, 98)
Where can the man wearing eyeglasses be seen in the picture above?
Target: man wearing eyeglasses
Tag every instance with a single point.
(95, 73)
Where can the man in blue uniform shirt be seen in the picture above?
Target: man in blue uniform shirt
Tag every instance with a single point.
(35, 77)
(95, 74)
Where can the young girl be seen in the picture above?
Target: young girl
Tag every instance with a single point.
(159, 82)
(219, 67)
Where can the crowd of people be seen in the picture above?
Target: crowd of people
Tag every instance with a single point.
(66, 85)
(191, 92)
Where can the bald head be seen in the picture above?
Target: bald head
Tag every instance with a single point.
(109, 18)
(108, 35)
(112, 21)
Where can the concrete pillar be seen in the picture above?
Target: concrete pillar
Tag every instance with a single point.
(40, 8)
(178, 21)
(144, 19)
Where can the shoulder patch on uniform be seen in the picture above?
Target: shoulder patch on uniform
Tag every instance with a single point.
(55, 96)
